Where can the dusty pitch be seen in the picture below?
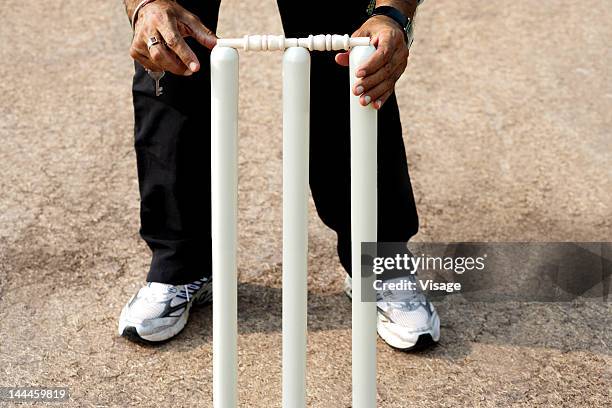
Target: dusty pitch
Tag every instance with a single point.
(506, 120)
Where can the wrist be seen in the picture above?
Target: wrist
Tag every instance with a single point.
(406, 7)
(397, 19)
(387, 21)
(136, 13)
(130, 5)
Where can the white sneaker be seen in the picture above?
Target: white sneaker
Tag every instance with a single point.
(158, 311)
(406, 320)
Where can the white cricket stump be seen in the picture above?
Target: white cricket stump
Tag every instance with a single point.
(363, 229)
(224, 198)
(296, 118)
(224, 202)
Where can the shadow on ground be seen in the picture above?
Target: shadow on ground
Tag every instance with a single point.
(562, 326)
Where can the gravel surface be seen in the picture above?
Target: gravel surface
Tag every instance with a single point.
(506, 112)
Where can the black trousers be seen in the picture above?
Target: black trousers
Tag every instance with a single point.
(172, 140)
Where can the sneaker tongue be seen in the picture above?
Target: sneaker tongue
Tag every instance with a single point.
(158, 290)
(401, 296)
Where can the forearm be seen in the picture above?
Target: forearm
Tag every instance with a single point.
(130, 6)
(408, 7)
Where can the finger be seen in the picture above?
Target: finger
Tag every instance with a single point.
(138, 55)
(175, 42)
(377, 92)
(381, 101)
(379, 58)
(146, 62)
(374, 41)
(342, 58)
(393, 69)
(167, 60)
(199, 31)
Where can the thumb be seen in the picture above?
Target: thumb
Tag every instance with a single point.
(342, 58)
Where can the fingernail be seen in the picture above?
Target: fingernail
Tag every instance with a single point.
(368, 99)
(188, 73)
(193, 66)
(378, 104)
(359, 90)
(360, 73)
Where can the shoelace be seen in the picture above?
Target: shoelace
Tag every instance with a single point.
(161, 292)
(190, 288)
(404, 299)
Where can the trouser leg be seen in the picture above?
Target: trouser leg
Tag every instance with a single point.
(172, 142)
(330, 136)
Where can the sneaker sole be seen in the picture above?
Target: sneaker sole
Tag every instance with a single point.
(130, 332)
(422, 340)
(419, 341)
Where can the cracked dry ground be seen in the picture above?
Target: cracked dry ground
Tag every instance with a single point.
(507, 126)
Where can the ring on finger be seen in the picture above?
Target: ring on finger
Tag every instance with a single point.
(152, 41)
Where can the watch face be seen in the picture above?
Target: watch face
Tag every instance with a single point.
(371, 7)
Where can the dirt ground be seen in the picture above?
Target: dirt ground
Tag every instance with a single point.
(506, 112)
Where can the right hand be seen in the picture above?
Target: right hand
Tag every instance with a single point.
(169, 22)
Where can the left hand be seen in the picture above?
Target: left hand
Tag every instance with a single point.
(378, 75)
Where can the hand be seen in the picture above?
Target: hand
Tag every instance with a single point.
(378, 75)
(169, 22)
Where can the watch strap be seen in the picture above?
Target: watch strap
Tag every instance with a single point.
(396, 15)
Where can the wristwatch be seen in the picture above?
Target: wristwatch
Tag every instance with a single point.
(406, 23)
